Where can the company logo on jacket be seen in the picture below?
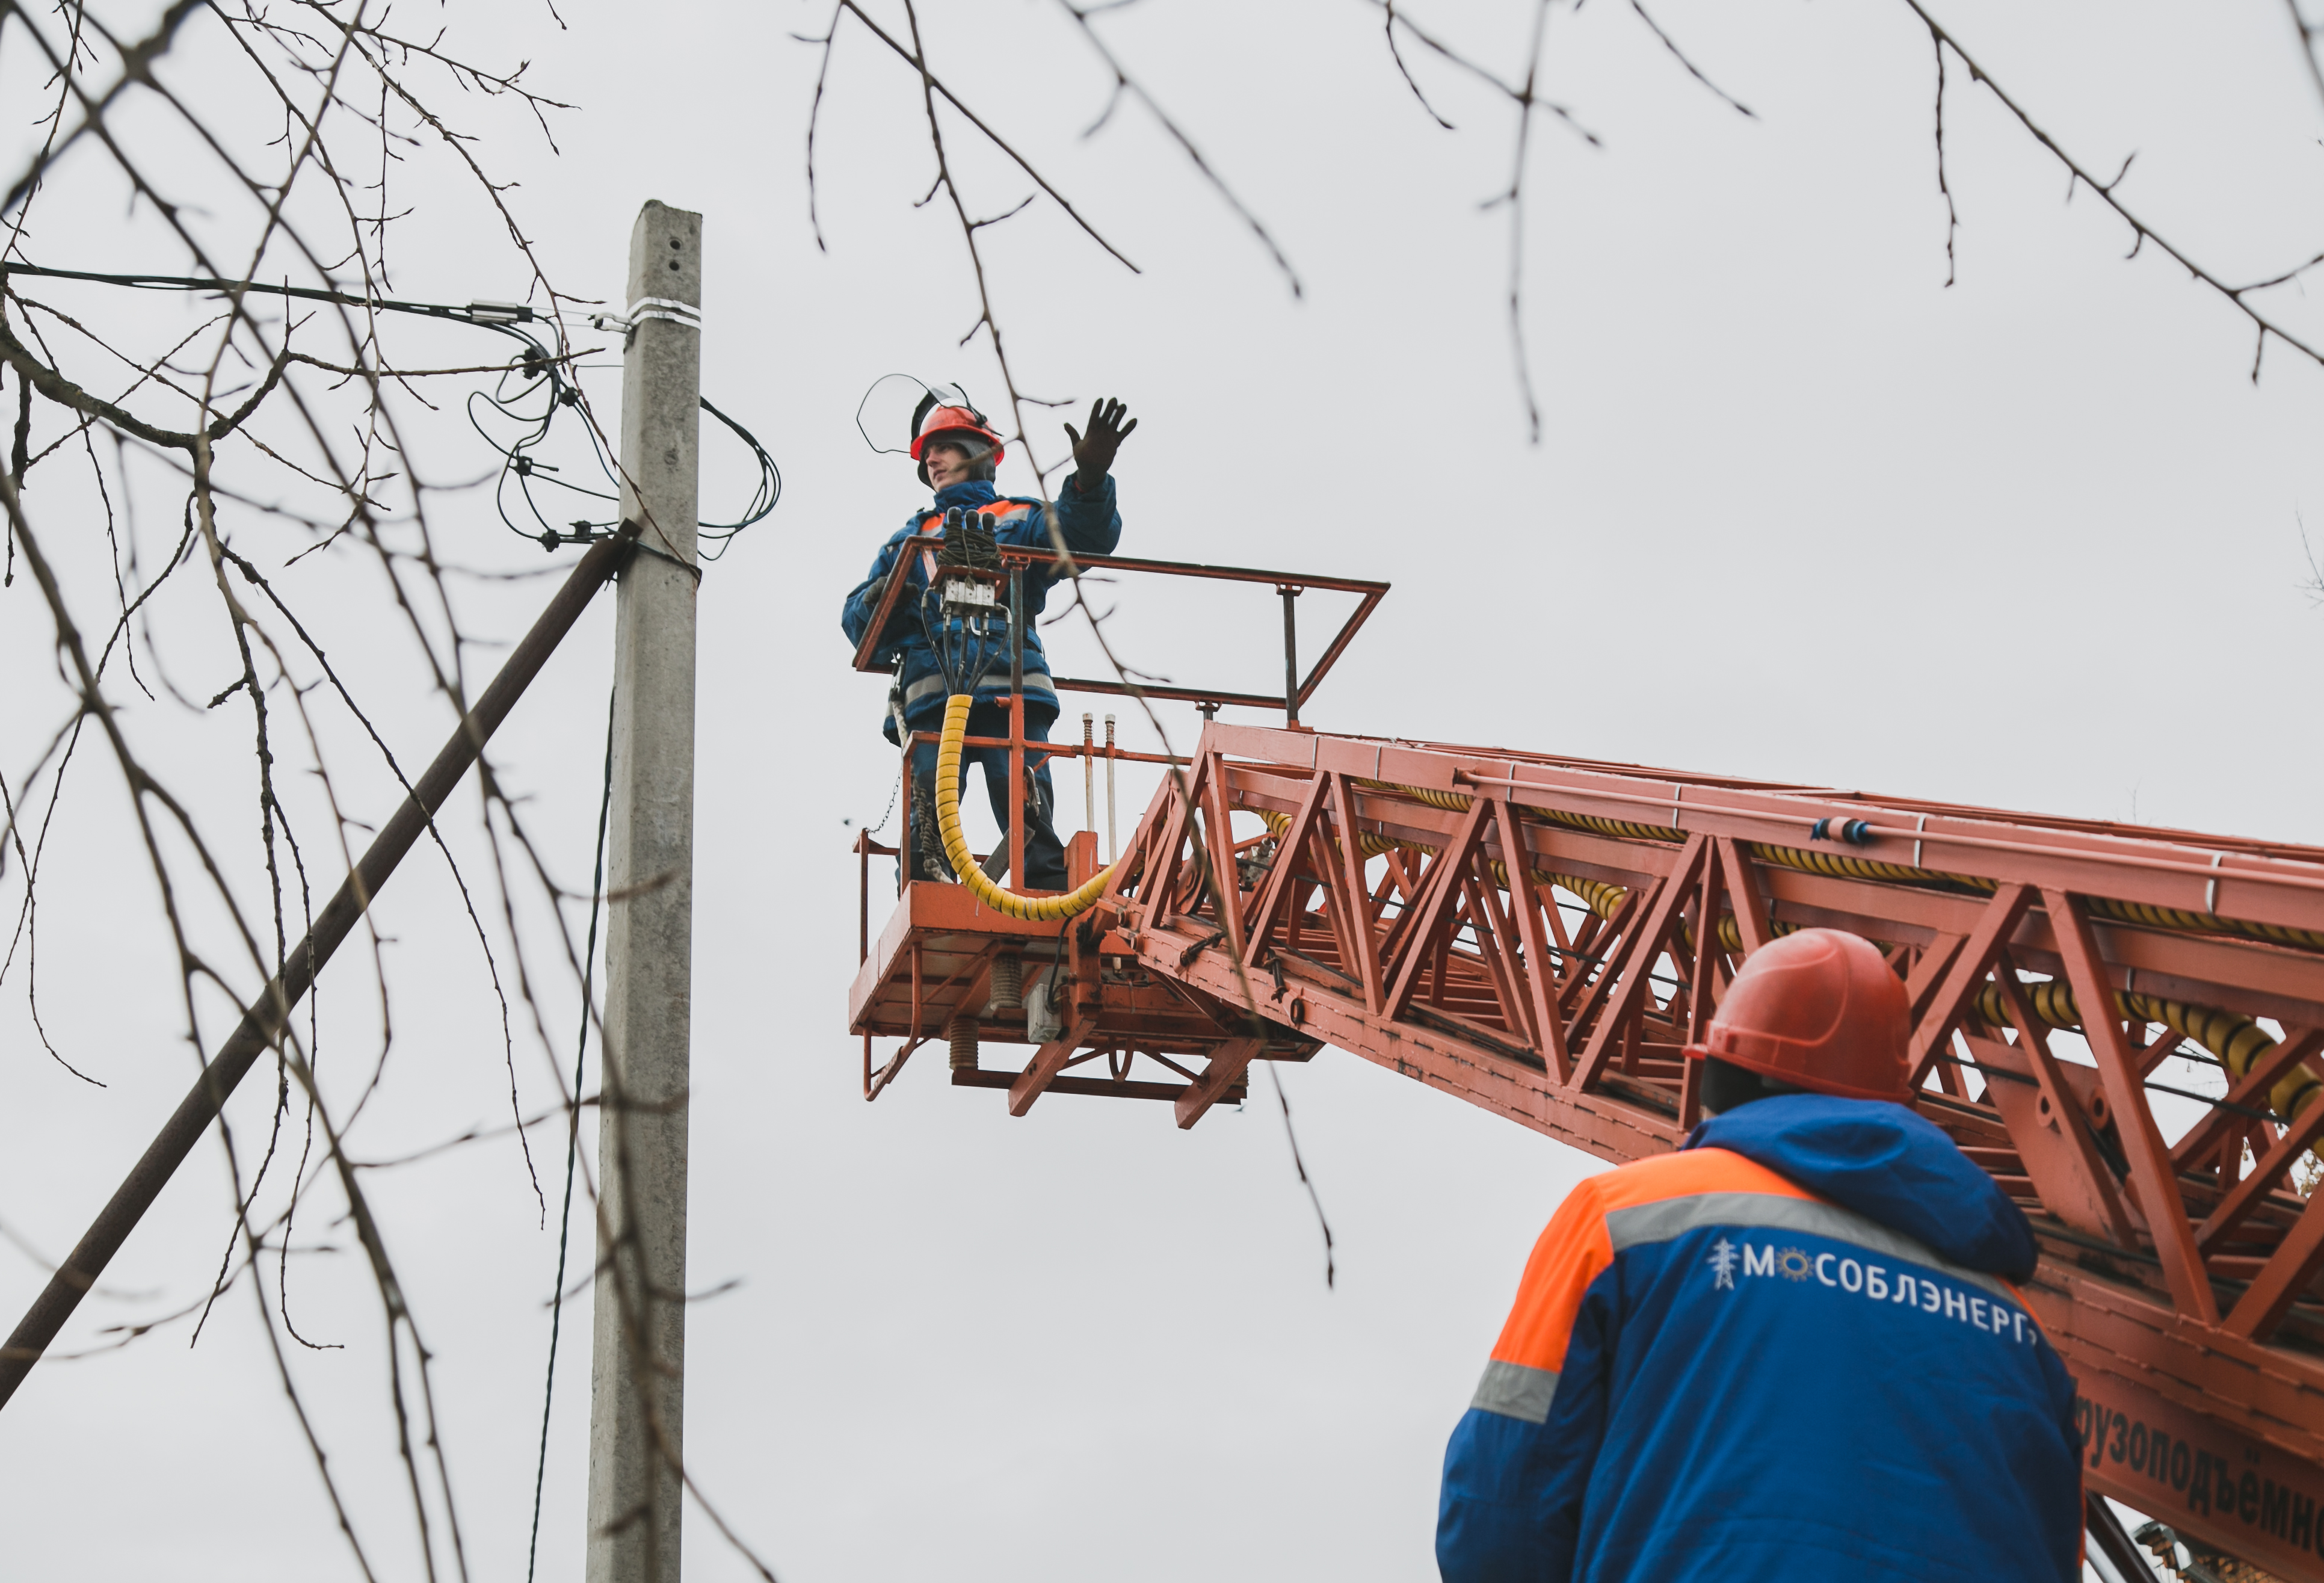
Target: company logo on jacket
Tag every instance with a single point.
(1875, 1282)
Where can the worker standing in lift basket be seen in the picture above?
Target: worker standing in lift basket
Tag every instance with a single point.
(957, 452)
(1792, 1349)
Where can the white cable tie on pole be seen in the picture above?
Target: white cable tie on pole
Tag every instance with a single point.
(646, 308)
(669, 308)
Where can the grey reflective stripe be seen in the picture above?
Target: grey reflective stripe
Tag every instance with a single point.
(1036, 682)
(1514, 1391)
(1673, 1217)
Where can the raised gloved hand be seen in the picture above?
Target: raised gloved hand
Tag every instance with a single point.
(1093, 453)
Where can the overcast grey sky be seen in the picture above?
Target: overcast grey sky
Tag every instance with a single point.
(1798, 511)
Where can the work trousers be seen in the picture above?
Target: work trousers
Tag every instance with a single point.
(1044, 854)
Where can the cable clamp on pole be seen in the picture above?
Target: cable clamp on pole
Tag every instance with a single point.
(645, 308)
(634, 530)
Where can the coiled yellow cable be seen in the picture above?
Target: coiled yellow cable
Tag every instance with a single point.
(1033, 909)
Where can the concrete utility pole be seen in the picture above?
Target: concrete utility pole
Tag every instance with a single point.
(636, 1374)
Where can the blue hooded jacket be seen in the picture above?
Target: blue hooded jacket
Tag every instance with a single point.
(1788, 1351)
(1090, 526)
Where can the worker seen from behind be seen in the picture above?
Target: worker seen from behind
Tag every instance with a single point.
(1792, 1349)
(958, 452)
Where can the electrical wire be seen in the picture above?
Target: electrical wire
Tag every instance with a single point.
(763, 499)
(573, 1136)
(541, 374)
(2214, 1100)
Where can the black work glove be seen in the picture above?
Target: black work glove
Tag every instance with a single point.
(899, 620)
(1093, 453)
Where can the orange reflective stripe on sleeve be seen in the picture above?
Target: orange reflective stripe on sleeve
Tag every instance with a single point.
(1573, 1251)
(1576, 1248)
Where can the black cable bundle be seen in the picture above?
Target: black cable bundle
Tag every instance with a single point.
(968, 640)
(540, 374)
(969, 543)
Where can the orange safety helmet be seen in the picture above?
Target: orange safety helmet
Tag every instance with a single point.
(1821, 1010)
(936, 421)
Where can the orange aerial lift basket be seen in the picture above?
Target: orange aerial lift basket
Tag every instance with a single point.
(1542, 936)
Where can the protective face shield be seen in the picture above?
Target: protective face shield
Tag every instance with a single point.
(958, 424)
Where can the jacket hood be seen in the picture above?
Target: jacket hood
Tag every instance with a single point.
(1888, 1164)
(971, 492)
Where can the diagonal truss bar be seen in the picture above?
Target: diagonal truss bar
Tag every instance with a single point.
(1638, 959)
(1743, 895)
(1356, 900)
(1167, 857)
(1226, 877)
(2248, 1092)
(1540, 973)
(1480, 905)
(2284, 1276)
(1440, 886)
(1994, 927)
(2151, 1174)
(1290, 851)
(2252, 1191)
(2081, 1192)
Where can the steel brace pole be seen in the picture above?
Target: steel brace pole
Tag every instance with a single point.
(637, 1376)
(1290, 655)
(263, 1024)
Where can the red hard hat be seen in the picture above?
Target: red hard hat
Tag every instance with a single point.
(941, 421)
(1820, 1010)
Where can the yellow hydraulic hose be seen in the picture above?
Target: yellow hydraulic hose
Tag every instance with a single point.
(2238, 1042)
(1034, 909)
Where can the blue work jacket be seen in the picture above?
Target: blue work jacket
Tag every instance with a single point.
(1090, 526)
(1791, 1350)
